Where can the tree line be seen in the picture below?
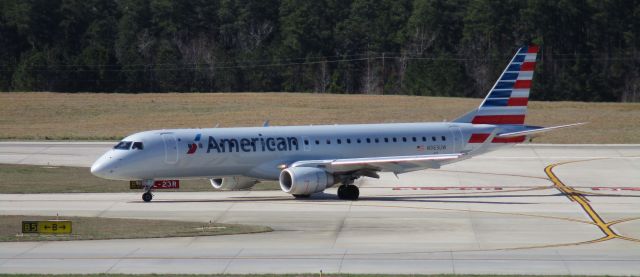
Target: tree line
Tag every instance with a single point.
(589, 49)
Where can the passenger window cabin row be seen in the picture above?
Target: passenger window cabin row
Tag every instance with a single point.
(126, 145)
(375, 140)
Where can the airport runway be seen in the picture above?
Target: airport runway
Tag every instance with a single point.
(531, 209)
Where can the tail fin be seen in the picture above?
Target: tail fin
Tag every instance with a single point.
(507, 100)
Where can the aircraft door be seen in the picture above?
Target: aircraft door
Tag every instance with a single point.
(170, 148)
(456, 134)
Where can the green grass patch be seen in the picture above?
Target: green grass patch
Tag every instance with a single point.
(61, 179)
(94, 228)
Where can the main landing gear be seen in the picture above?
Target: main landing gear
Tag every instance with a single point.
(348, 191)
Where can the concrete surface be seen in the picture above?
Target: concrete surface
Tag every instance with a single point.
(52, 152)
(497, 213)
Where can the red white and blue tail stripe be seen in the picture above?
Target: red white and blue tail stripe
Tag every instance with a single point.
(507, 100)
(506, 104)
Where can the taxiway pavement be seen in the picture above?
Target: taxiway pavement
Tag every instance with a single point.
(531, 209)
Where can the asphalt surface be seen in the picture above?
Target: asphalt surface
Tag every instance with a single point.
(531, 209)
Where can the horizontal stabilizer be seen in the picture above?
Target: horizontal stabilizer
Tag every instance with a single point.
(533, 130)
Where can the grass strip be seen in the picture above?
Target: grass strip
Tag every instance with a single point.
(62, 179)
(100, 228)
(108, 116)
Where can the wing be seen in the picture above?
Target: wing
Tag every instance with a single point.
(396, 164)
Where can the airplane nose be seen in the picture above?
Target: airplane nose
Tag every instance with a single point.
(99, 169)
(109, 167)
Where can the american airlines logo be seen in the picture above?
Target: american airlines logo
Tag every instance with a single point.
(254, 144)
(195, 144)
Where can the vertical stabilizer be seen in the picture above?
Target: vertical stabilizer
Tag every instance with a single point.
(506, 102)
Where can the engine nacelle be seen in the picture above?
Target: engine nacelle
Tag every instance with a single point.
(305, 180)
(233, 183)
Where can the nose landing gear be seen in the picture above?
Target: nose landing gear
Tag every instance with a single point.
(147, 196)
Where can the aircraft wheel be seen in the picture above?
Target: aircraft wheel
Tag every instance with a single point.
(146, 197)
(348, 192)
(300, 196)
(342, 191)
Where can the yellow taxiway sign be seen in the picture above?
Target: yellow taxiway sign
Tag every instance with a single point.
(47, 227)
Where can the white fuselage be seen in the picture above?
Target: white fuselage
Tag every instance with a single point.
(262, 152)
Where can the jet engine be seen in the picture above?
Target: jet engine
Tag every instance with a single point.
(233, 183)
(305, 180)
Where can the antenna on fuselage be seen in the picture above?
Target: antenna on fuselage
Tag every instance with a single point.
(217, 124)
(266, 123)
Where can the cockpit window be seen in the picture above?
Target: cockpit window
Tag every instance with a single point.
(137, 145)
(123, 145)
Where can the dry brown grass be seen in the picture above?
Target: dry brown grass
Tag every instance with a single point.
(89, 228)
(112, 116)
(62, 179)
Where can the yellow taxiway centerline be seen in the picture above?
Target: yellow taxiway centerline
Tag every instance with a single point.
(579, 198)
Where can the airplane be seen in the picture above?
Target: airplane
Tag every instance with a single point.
(309, 159)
